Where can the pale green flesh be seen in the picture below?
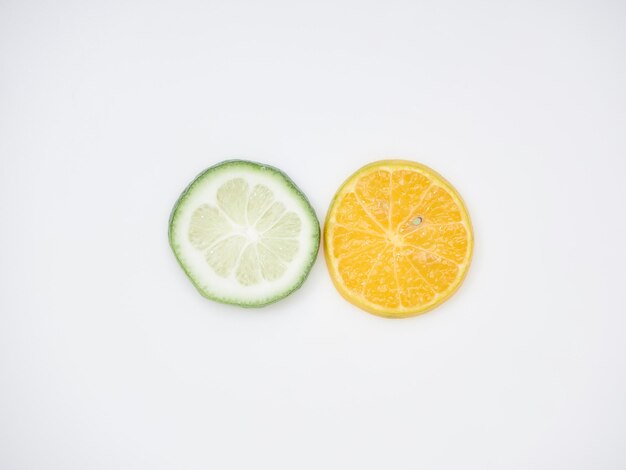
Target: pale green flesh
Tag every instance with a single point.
(247, 233)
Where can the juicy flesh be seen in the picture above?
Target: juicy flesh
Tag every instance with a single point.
(399, 239)
(246, 234)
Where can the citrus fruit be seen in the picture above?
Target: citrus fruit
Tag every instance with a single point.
(244, 233)
(398, 239)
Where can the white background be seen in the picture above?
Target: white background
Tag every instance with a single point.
(109, 359)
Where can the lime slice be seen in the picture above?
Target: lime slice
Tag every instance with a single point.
(244, 233)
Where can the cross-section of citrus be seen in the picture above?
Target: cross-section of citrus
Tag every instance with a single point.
(398, 239)
(244, 233)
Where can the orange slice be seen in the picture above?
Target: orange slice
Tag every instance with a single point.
(398, 239)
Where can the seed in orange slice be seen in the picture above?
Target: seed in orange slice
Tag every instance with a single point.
(398, 239)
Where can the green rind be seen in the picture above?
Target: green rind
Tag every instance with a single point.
(294, 188)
